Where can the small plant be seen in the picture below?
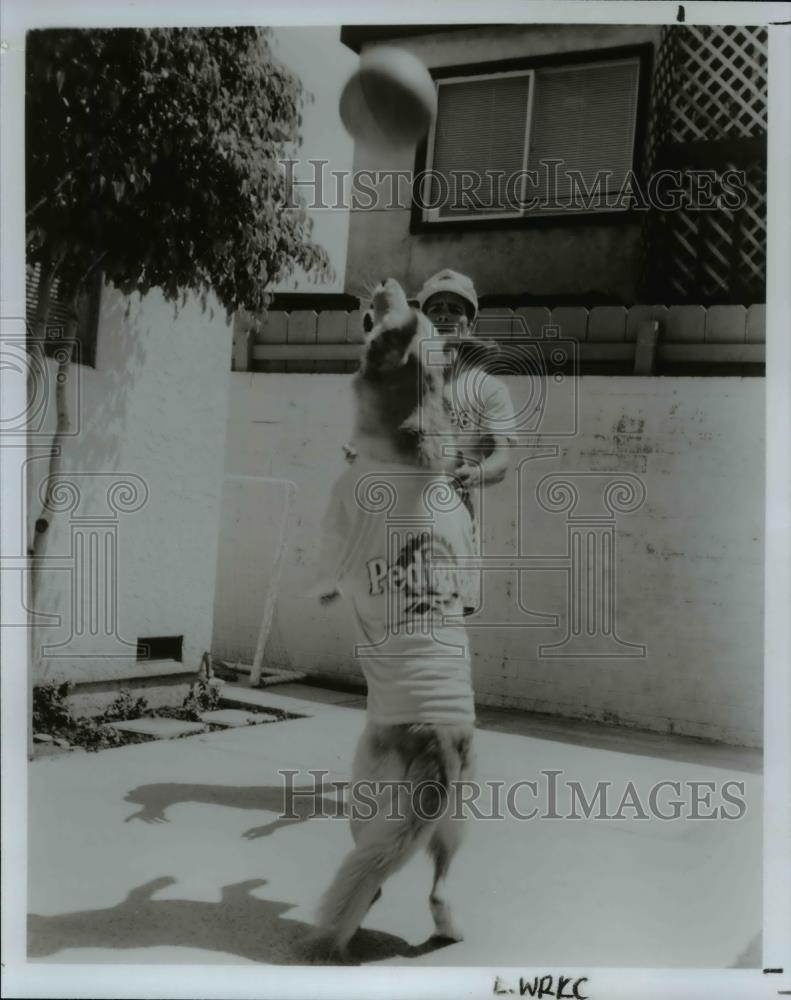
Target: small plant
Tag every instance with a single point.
(51, 712)
(92, 735)
(124, 707)
(52, 716)
(203, 696)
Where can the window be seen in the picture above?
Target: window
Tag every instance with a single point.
(547, 140)
(88, 316)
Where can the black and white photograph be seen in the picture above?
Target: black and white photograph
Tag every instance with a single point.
(395, 557)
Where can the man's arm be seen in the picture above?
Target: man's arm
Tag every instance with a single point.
(333, 545)
(491, 469)
(498, 433)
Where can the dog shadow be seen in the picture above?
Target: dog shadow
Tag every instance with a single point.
(240, 924)
(295, 806)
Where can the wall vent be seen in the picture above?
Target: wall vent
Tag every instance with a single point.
(160, 647)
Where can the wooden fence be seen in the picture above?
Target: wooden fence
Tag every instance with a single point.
(642, 339)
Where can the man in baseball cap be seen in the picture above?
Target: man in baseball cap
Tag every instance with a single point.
(449, 299)
(479, 403)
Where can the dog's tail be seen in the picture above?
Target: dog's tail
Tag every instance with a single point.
(362, 873)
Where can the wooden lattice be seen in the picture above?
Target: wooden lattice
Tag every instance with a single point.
(657, 126)
(721, 255)
(709, 111)
(721, 83)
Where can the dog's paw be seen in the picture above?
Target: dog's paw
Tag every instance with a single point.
(315, 948)
(447, 931)
(452, 935)
(319, 947)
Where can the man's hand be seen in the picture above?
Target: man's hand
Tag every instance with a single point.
(491, 469)
(468, 475)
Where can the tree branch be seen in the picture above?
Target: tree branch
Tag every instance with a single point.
(62, 427)
(51, 194)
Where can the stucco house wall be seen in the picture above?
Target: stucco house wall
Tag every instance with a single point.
(688, 560)
(133, 549)
(305, 51)
(551, 259)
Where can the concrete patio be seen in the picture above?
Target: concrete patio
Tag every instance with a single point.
(173, 852)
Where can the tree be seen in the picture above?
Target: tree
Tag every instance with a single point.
(153, 155)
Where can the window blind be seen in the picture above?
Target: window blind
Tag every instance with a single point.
(58, 314)
(481, 128)
(57, 321)
(584, 117)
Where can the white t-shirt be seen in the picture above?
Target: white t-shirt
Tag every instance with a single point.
(480, 407)
(392, 537)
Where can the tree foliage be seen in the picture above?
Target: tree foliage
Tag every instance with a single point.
(153, 154)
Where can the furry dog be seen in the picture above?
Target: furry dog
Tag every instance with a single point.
(401, 410)
(406, 588)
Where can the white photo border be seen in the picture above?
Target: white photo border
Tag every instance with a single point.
(23, 979)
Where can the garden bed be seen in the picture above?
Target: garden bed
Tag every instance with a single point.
(57, 731)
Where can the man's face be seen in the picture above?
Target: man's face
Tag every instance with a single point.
(448, 312)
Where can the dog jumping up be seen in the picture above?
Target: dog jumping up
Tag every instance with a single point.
(398, 545)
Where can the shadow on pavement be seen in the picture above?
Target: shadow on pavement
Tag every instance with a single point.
(303, 803)
(240, 924)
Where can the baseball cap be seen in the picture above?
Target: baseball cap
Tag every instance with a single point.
(449, 281)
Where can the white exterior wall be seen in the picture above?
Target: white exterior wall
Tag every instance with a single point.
(323, 65)
(152, 412)
(689, 560)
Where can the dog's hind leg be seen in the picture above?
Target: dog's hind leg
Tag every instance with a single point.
(442, 846)
(358, 831)
(387, 845)
(366, 762)
(446, 838)
(385, 837)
